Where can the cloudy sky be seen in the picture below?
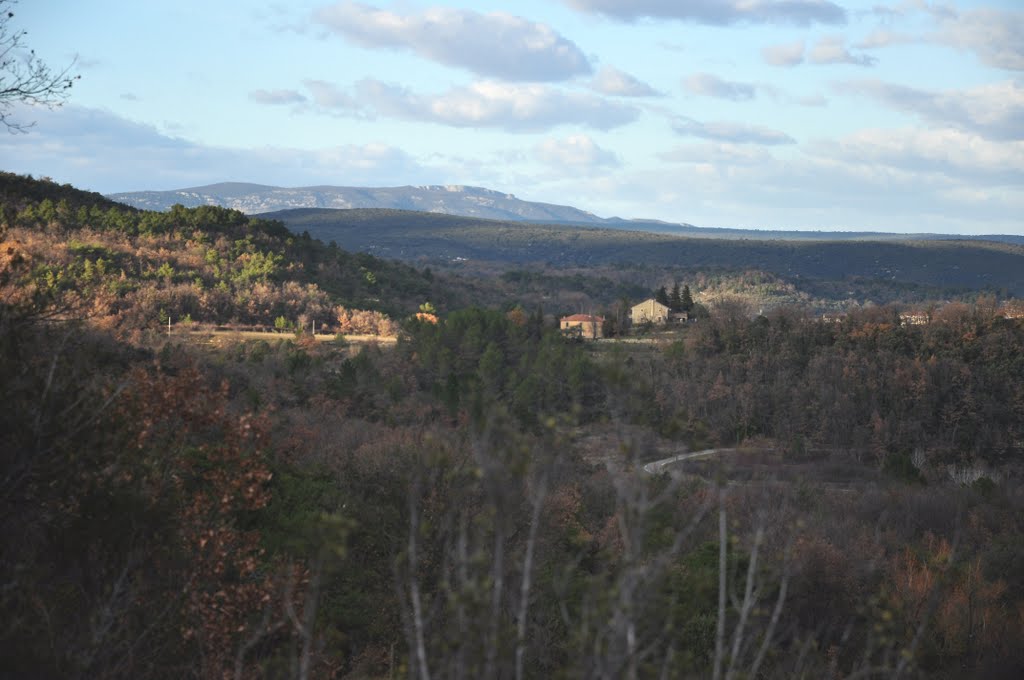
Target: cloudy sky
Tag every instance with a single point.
(903, 115)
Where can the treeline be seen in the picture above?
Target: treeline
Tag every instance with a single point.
(19, 191)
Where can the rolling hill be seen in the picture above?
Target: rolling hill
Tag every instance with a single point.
(414, 236)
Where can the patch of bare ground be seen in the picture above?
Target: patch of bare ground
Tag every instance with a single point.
(754, 463)
(759, 466)
(621, 445)
(227, 337)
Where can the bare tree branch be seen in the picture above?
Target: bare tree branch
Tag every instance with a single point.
(24, 77)
(720, 628)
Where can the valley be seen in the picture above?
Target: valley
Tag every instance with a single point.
(824, 462)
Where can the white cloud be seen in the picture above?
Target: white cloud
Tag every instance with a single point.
(712, 186)
(496, 45)
(720, 154)
(710, 85)
(994, 111)
(612, 81)
(885, 38)
(955, 153)
(277, 97)
(996, 36)
(901, 179)
(576, 152)
(832, 50)
(735, 133)
(100, 151)
(329, 96)
(790, 54)
(718, 12)
(812, 100)
(511, 107)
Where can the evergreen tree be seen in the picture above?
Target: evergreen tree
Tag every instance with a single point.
(662, 296)
(675, 301)
(686, 301)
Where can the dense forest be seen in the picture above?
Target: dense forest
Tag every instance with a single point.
(407, 235)
(472, 501)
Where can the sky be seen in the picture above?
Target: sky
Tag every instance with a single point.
(904, 116)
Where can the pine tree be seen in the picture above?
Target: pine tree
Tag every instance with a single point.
(662, 296)
(686, 301)
(675, 301)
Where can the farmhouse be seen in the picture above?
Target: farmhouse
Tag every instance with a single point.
(649, 311)
(584, 325)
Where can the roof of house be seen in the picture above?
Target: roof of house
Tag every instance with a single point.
(647, 301)
(586, 318)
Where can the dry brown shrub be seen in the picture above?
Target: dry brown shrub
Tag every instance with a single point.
(364, 322)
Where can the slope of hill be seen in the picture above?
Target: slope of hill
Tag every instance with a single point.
(92, 257)
(411, 235)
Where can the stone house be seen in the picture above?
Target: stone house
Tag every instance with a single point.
(649, 311)
(586, 326)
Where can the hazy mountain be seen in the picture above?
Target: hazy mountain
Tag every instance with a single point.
(478, 202)
(450, 200)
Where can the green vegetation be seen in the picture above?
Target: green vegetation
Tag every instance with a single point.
(471, 502)
(214, 265)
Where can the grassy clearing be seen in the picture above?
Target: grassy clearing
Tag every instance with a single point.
(319, 337)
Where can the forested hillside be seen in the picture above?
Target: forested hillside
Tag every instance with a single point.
(134, 269)
(410, 236)
(471, 502)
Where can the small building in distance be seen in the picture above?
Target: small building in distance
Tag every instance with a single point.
(680, 317)
(649, 311)
(585, 326)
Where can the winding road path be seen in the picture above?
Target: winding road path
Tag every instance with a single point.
(658, 466)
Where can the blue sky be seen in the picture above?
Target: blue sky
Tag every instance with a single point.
(805, 114)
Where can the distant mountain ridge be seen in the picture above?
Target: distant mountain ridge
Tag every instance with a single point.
(475, 202)
(466, 201)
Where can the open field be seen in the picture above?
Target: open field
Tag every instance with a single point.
(319, 337)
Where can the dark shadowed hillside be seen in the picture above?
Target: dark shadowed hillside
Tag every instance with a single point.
(411, 236)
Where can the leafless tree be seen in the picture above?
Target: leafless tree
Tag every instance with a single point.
(24, 77)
